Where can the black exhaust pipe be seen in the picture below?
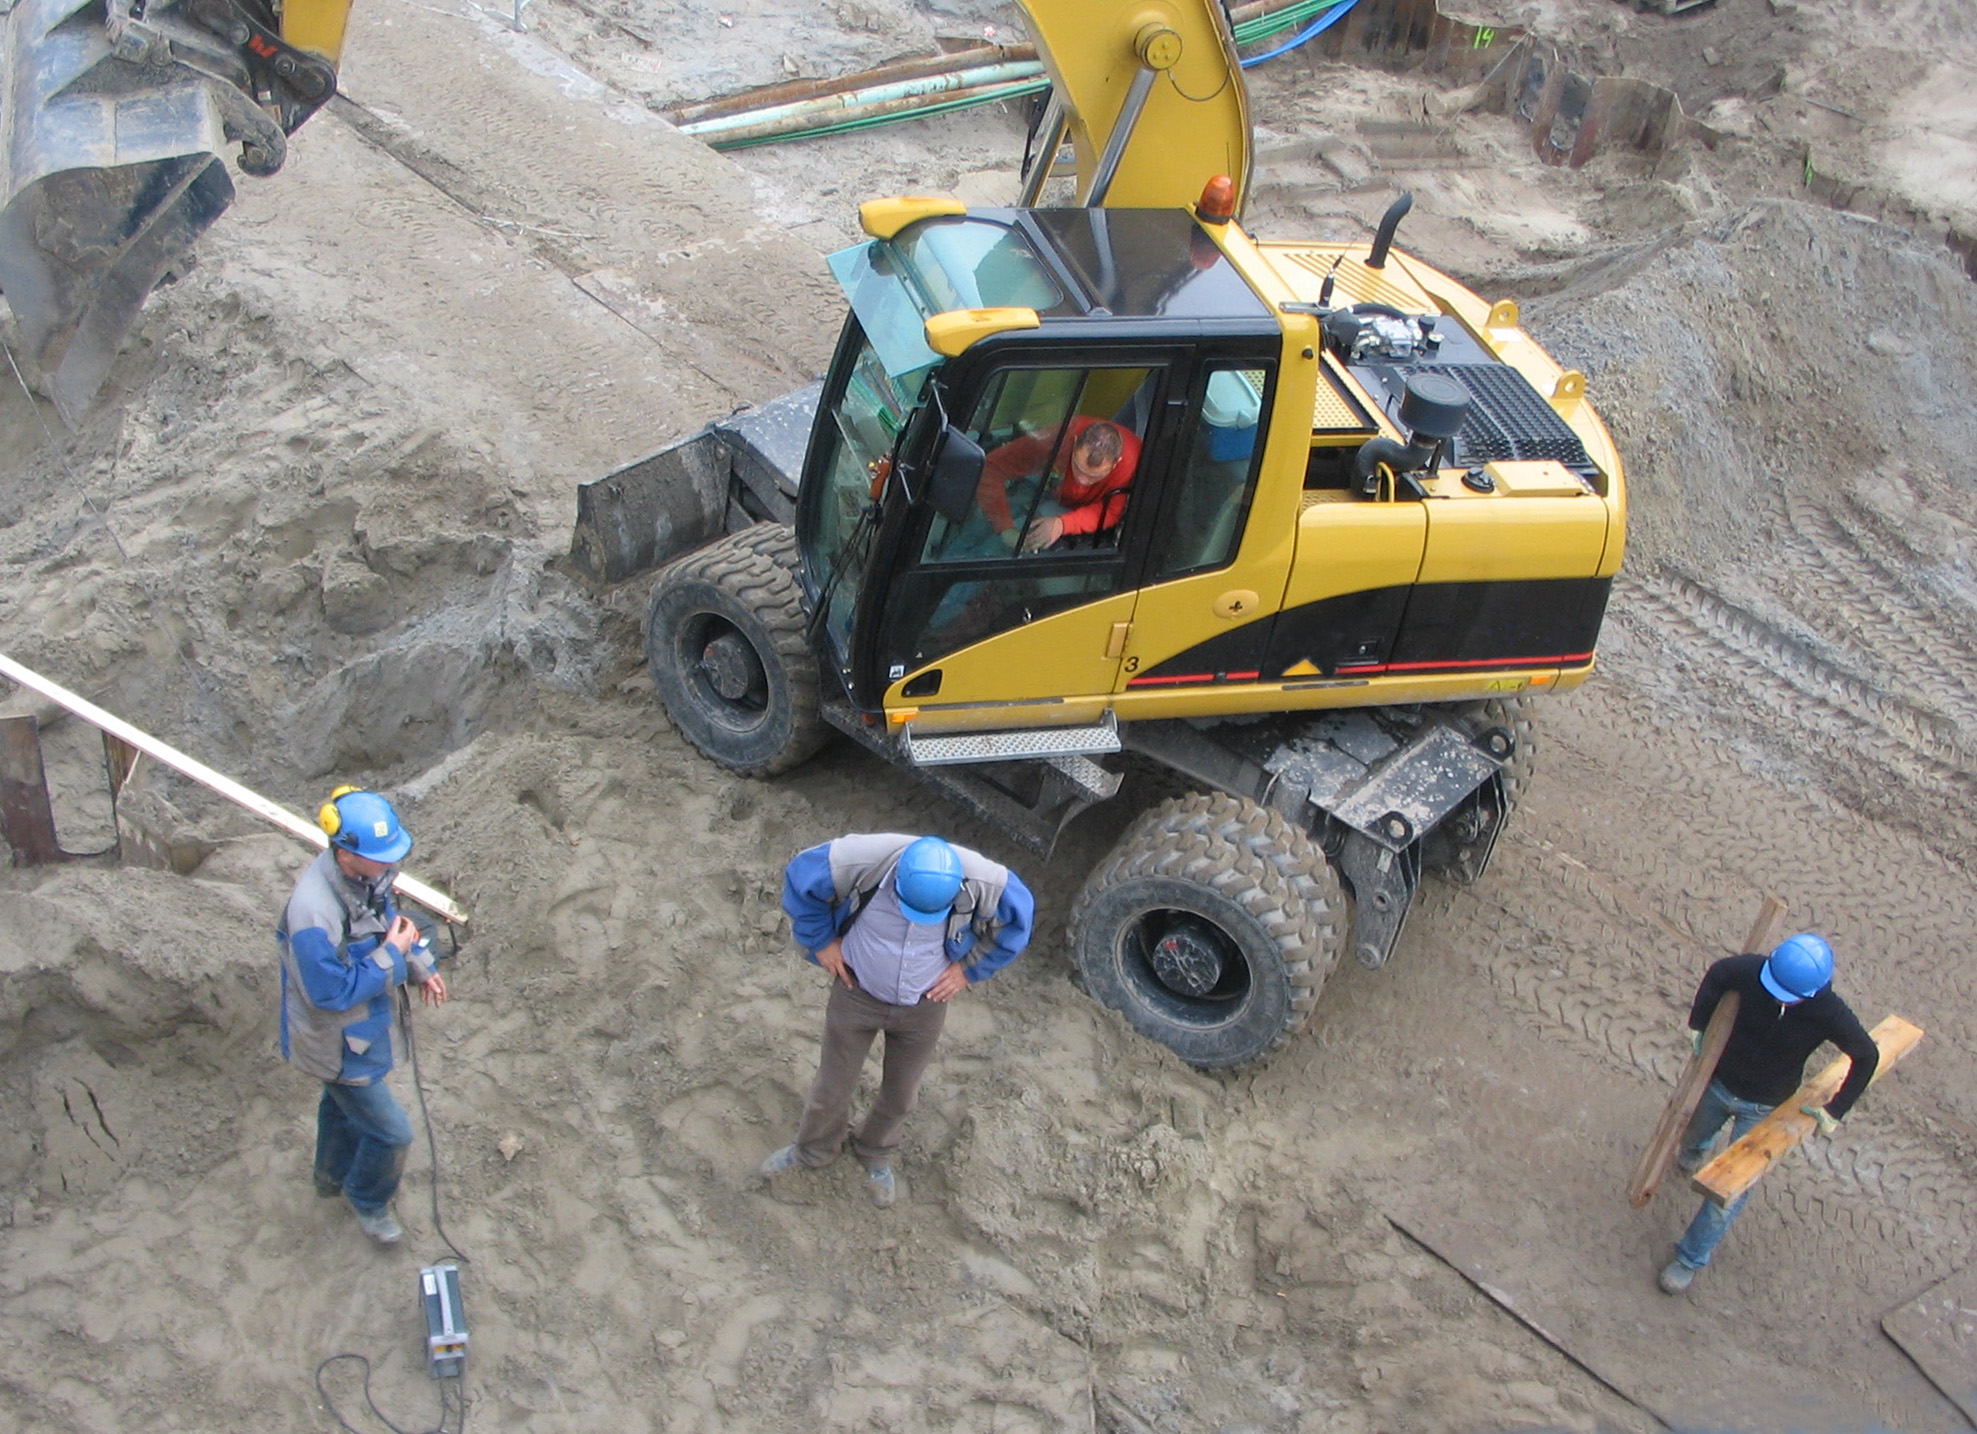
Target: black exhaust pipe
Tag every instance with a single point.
(1390, 221)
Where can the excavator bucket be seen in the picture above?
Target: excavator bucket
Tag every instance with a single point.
(116, 116)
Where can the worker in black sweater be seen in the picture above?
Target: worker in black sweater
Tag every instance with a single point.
(1786, 1009)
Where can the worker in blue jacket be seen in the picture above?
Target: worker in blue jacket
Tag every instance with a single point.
(904, 925)
(344, 947)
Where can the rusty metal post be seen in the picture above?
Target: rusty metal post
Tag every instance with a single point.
(26, 818)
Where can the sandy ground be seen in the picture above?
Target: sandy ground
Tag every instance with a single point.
(312, 535)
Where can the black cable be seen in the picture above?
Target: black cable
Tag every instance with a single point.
(458, 1399)
(1039, 106)
(425, 1118)
(1200, 99)
(446, 1406)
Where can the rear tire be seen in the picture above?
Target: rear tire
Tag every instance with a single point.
(1211, 926)
(726, 645)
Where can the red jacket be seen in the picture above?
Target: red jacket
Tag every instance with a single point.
(1091, 508)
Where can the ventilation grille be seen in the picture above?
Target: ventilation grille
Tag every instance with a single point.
(1336, 411)
(1357, 284)
(1510, 419)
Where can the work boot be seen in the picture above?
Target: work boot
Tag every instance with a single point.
(382, 1227)
(776, 1162)
(881, 1184)
(1676, 1278)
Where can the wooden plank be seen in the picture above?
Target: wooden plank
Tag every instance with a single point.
(120, 760)
(1731, 1174)
(233, 791)
(1667, 1138)
(1769, 927)
(1938, 1330)
(1681, 1107)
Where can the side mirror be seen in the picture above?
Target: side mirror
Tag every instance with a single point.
(957, 473)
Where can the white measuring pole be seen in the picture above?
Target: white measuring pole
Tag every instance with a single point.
(226, 786)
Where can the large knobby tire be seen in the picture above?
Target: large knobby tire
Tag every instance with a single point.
(1513, 715)
(1211, 926)
(725, 642)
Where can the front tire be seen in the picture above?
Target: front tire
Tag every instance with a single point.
(726, 645)
(1211, 926)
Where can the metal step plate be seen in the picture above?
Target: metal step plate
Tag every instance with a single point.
(1029, 744)
(1097, 783)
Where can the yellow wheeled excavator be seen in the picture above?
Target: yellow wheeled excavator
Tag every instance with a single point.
(1363, 519)
(117, 116)
(1297, 529)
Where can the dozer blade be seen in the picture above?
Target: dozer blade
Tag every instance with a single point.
(116, 118)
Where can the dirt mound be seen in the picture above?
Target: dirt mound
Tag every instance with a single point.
(1796, 394)
(1792, 350)
(367, 582)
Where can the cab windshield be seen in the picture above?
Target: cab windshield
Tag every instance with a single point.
(866, 420)
(893, 287)
(973, 264)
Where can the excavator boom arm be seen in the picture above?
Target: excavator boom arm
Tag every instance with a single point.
(1150, 94)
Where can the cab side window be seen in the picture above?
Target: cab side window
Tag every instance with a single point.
(1063, 448)
(1202, 526)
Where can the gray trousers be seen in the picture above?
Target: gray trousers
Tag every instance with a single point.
(851, 1021)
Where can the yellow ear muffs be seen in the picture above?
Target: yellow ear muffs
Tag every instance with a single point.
(328, 816)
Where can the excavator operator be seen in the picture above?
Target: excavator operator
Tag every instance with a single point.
(1092, 482)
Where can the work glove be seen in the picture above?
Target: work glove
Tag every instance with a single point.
(1695, 1043)
(1827, 1125)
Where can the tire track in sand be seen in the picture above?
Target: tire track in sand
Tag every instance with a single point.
(1860, 596)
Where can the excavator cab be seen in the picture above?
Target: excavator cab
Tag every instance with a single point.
(118, 115)
(990, 577)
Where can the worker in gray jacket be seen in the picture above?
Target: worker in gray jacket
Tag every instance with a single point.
(904, 924)
(345, 947)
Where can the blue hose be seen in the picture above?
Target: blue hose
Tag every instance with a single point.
(1317, 27)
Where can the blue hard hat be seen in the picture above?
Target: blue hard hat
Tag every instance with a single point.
(927, 880)
(1799, 969)
(365, 823)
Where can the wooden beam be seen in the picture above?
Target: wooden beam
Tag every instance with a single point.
(1769, 927)
(1730, 1175)
(1667, 1138)
(1681, 1107)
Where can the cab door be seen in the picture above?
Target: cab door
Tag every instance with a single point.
(1220, 549)
(987, 627)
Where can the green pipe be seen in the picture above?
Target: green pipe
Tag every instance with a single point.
(1247, 33)
(1015, 90)
(1250, 31)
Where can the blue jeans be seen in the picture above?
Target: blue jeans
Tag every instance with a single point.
(1712, 1221)
(361, 1139)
